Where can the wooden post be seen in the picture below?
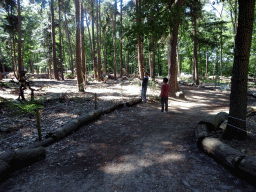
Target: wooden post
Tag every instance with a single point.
(38, 124)
(95, 101)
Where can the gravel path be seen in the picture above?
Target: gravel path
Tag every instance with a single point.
(134, 149)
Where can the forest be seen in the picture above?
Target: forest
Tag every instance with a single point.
(110, 28)
(95, 38)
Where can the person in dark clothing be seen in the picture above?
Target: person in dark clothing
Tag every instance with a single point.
(144, 87)
(164, 95)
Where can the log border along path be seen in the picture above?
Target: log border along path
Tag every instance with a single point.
(158, 156)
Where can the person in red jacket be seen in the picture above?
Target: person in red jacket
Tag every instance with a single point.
(164, 95)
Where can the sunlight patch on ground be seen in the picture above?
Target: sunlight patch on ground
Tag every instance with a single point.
(185, 105)
(169, 157)
(119, 168)
(63, 115)
(222, 109)
(131, 163)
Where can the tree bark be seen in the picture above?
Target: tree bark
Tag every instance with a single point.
(19, 40)
(89, 37)
(172, 65)
(152, 60)
(114, 39)
(55, 67)
(70, 49)
(105, 58)
(121, 38)
(3, 68)
(83, 61)
(178, 60)
(222, 151)
(60, 36)
(98, 43)
(238, 98)
(139, 40)
(78, 47)
(195, 58)
(93, 44)
(221, 52)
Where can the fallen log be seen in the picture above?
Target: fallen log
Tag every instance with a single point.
(83, 120)
(24, 156)
(133, 102)
(214, 121)
(43, 143)
(7, 156)
(12, 160)
(222, 152)
(248, 164)
(201, 132)
(4, 167)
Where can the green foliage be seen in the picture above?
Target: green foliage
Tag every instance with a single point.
(69, 76)
(18, 108)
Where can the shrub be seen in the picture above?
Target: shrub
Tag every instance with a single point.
(24, 107)
(69, 76)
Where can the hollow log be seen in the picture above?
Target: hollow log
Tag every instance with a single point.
(214, 121)
(201, 131)
(222, 152)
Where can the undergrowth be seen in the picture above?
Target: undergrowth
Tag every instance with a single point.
(24, 107)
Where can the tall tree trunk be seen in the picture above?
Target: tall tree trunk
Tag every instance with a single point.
(238, 98)
(55, 66)
(70, 48)
(60, 36)
(98, 42)
(126, 63)
(78, 47)
(15, 59)
(221, 52)
(178, 60)
(83, 65)
(139, 41)
(1, 61)
(121, 38)
(114, 39)
(89, 37)
(152, 60)
(234, 18)
(105, 58)
(93, 44)
(172, 66)
(153, 64)
(19, 40)
(206, 65)
(195, 58)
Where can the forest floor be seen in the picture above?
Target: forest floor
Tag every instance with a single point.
(131, 149)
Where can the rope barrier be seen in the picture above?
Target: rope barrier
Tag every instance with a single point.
(250, 132)
(242, 120)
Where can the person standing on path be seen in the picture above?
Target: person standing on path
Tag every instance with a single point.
(144, 87)
(164, 95)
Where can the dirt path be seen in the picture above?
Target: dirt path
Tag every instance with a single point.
(134, 149)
